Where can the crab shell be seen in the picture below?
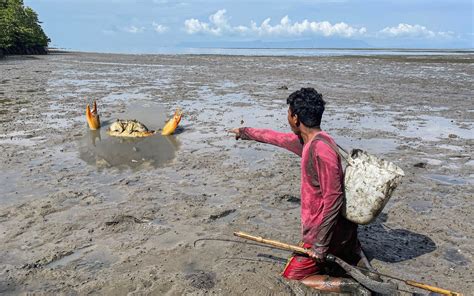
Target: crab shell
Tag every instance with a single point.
(92, 117)
(129, 128)
(172, 124)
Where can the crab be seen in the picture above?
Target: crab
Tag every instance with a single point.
(131, 128)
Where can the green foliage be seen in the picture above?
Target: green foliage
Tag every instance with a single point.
(20, 29)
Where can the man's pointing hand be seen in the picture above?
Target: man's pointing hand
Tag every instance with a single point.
(236, 132)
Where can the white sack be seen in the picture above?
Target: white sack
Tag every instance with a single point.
(369, 183)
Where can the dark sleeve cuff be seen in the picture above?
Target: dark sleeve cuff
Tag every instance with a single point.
(244, 133)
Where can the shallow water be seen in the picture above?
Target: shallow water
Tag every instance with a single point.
(450, 180)
(304, 51)
(92, 258)
(99, 149)
(456, 257)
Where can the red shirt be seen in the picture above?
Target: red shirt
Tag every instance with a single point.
(322, 185)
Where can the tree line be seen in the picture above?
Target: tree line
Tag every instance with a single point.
(20, 29)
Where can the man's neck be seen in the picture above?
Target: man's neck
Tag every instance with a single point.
(307, 134)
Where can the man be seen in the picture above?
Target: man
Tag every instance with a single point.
(324, 229)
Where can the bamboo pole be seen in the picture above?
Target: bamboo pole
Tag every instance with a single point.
(301, 250)
(276, 244)
(431, 288)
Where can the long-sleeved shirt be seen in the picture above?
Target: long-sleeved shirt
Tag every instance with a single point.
(322, 189)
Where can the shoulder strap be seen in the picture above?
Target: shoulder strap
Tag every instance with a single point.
(318, 137)
(311, 155)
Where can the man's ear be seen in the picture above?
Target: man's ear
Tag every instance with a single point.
(297, 120)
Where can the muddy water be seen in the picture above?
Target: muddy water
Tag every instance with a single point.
(103, 151)
(99, 149)
(82, 212)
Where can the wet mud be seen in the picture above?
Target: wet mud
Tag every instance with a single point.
(85, 213)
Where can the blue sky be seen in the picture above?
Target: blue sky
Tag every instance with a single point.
(146, 25)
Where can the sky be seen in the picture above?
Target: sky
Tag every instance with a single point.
(144, 26)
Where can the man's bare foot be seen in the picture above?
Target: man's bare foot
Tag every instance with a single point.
(326, 283)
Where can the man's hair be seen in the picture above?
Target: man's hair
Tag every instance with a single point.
(308, 104)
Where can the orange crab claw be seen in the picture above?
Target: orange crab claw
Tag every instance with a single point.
(172, 124)
(92, 117)
(94, 110)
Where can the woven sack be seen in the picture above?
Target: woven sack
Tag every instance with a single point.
(368, 182)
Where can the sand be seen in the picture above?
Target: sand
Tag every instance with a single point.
(83, 213)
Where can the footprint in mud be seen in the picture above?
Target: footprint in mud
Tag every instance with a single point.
(122, 223)
(124, 219)
(289, 198)
(202, 280)
(455, 256)
(221, 215)
(284, 202)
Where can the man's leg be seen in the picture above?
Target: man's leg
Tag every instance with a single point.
(326, 283)
(305, 270)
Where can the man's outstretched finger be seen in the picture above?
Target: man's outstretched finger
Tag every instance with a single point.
(235, 131)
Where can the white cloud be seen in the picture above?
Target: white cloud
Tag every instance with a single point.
(193, 26)
(286, 27)
(134, 30)
(219, 24)
(159, 28)
(414, 31)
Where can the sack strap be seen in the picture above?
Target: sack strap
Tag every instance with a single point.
(317, 138)
(345, 156)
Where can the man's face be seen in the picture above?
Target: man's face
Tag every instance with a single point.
(293, 122)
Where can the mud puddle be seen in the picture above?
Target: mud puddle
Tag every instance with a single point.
(449, 180)
(89, 257)
(433, 128)
(99, 149)
(455, 256)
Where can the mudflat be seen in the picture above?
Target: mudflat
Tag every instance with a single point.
(82, 212)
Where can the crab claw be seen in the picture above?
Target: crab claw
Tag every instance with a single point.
(92, 117)
(172, 124)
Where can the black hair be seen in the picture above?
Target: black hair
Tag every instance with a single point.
(308, 104)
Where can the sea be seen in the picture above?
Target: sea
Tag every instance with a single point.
(302, 52)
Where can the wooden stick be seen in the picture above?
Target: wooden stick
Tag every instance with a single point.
(301, 250)
(276, 244)
(432, 288)
(414, 284)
